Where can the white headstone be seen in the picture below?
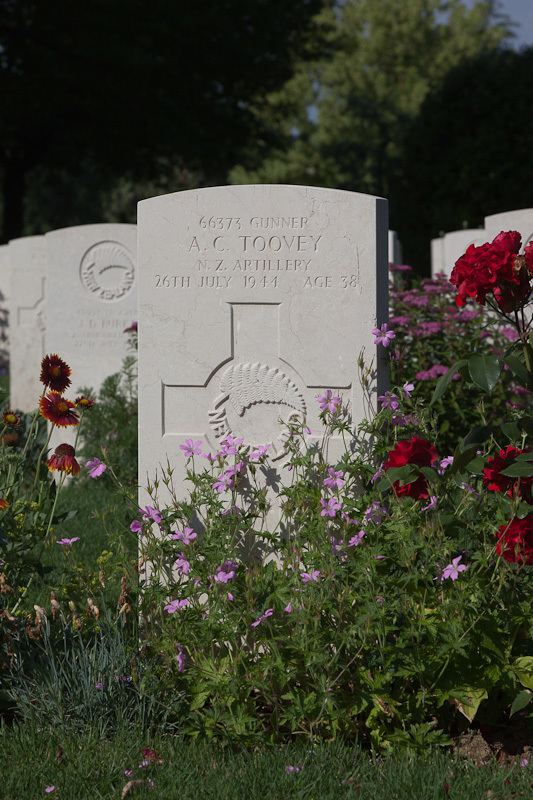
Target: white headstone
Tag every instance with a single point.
(5, 281)
(521, 221)
(253, 300)
(91, 298)
(456, 243)
(27, 320)
(437, 256)
(395, 248)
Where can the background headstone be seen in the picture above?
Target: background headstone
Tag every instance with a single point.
(27, 319)
(437, 256)
(5, 281)
(253, 300)
(455, 244)
(91, 299)
(395, 248)
(520, 220)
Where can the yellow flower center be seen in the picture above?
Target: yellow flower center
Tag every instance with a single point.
(62, 406)
(11, 419)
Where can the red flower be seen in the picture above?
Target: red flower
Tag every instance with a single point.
(418, 452)
(494, 268)
(84, 402)
(63, 460)
(4, 503)
(515, 541)
(58, 410)
(494, 481)
(55, 373)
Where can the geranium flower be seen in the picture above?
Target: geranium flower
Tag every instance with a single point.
(408, 388)
(432, 505)
(181, 565)
(63, 460)
(180, 657)
(186, 536)
(383, 335)
(55, 373)
(288, 608)
(11, 419)
(330, 506)
(495, 481)
(84, 402)
(149, 512)
(328, 401)
(495, 268)
(136, 526)
(230, 445)
(95, 467)
(259, 452)
(451, 572)
(374, 513)
(356, 540)
(444, 464)
(58, 410)
(177, 605)
(268, 613)
(66, 542)
(192, 448)
(388, 400)
(310, 577)
(225, 572)
(418, 452)
(335, 479)
(515, 541)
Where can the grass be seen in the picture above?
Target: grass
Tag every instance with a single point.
(89, 767)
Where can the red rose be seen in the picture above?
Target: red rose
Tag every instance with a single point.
(515, 541)
(418, 452)
(495, 269)
(494, 481)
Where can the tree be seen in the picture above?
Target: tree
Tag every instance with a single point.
(116, 85)
(344, 116)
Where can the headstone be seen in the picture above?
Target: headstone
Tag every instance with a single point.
(455, 244)
(521, 221)
(437, 256)
(91, 299)
(5, 280)
(253, 300)
(395, 248)
(27, 320)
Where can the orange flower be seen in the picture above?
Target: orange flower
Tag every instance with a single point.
(11, 419)
(84, 402)
(63, 460)
(55, 373)
(58, 410)
(4, 503)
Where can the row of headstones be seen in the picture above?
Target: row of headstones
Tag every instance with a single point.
(446, 249)
(251, 302)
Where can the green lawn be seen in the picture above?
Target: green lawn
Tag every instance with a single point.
(92, 768)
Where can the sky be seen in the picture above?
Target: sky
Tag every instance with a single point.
(520, 11)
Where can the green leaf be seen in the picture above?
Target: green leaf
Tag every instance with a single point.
(444, 381)
(478, 435)
(518, 369)
(462, 458)
(468, 700)
(521, 700)
(512, 431)
(484, 371)
(475, 467)
(430, 474)
(405, 474)
(525, 456)
(199, 700)
(521, 469)
(523, 668)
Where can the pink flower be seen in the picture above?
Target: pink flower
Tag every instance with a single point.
(444, 464)
(186, 536)
(288, 608)
(177, 605)
(95, 467)
(182, 565)
(310, 577)
(68, 542)
(180, 657)
(50, 789)
(230, 597)
(328, 401)
(377, 474)
(408, 388)
(383, 335)
(268, 613)
(149, 512)
(334, 479)
(226, 572)
(330, 507)
(136, 526)
(389, 400)
(452, 570)
(356, 540)
(374, 513)
(290, 769)
(259, 452)
(192, 448)
(432, 505)
(230, 445)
